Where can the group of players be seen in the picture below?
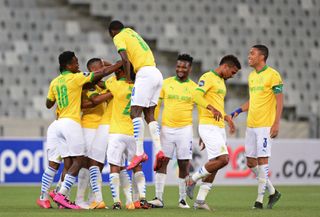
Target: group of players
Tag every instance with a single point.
(99, 121)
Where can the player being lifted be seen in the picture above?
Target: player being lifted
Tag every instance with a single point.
(212, 88)
(176, 133)
(66, 90)
(264, 111)
(145, 93)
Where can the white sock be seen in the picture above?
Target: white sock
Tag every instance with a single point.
(141, 184)
(135, 190)
(46, 181)
(138, 132)
(182, 189)
(201, 173)
(115, 185)
(155, 135)
(204, 189)
(69, 180)
(58, 186)
(83, 182)
(95, 182)
(125, 184)
(159, 184)
(270, 187)
(263, 171)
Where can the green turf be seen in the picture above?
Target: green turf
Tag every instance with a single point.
(227, 201)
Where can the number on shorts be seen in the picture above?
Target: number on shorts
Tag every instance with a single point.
(63, 100)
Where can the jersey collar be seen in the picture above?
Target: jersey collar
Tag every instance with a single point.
(177, 79)
(214, 72)
(263, 69)
(122, 79)
(66, 72)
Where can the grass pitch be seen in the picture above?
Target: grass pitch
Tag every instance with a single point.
(226, 200)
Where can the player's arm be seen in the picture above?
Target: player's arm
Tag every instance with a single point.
(199, 99)
(95, 100)
(243, 108)
(232, 127)
(105, 71)
(50, 103)
(126, 64)
(275, 127)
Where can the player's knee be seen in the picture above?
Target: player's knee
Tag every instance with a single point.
(224, 160)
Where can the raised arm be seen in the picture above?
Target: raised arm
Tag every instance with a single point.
(105, 71)
(126, 64)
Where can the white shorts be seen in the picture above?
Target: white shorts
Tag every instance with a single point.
(120, 145)
(89, 134)
(147, 87)
(98, 148)
(52, 143)
(179, 139)
(215, 140)
(258, 142)
(70, 132)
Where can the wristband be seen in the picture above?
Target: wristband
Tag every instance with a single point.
(239, 110)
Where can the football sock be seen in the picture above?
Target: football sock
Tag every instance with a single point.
(83, 182)
(115, 185)
(270, 187)
(138, 132)
(135, 190)
(263, 171)
(204, 189)
(182, 189)
(159, 184)
(201, 173)
(95, 182)
(141, 184)
(66, 185)
(155, 135)
(125, 184)
(46, 182)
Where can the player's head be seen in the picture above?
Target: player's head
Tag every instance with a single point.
(258, 54)
(115, 27)
(229, 66)
(68, 62)
(183, 66)
(94, 64)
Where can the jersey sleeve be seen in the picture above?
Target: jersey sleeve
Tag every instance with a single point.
(203, 84)
(50, 95)
(82, 78)
(276, 83)
(119, 42)
(92, 92)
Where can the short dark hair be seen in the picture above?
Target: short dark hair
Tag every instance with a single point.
(230, 60)
(115, 25)
(263, 50)
(92, 61)
(65, 58)
(185, 57)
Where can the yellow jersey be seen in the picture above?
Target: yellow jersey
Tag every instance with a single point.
(263, 86)
(106, 118)
(91, 117)
(66, 90)
(121, 122)
(178, 102)
(138, 51)
(212, 85)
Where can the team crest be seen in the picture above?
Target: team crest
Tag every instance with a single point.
(201, 83)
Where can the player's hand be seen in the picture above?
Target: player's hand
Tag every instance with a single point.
(201, 145)
(236, 113)
(274, 130)
(216, 114)
(232, 127)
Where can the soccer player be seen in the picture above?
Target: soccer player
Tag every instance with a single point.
(53, 165)
(212, 88)
(66, 90)
(145, 93)
(122, 143)
(264, 111)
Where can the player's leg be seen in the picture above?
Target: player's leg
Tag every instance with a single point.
(141, 185)
(204, 190)
(114, 179)
(183, 174)
(126, 186)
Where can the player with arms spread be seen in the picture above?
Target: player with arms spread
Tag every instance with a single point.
(264, 111)
(145, 93)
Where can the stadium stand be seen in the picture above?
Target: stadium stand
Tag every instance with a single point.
(33, 32)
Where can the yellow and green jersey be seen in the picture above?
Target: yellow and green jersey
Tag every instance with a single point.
(66, 91)
(263, 86)
(213, 88)
(106, 118)
(178, 102)
(138, 51)
(121, 122)
(91, 117)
